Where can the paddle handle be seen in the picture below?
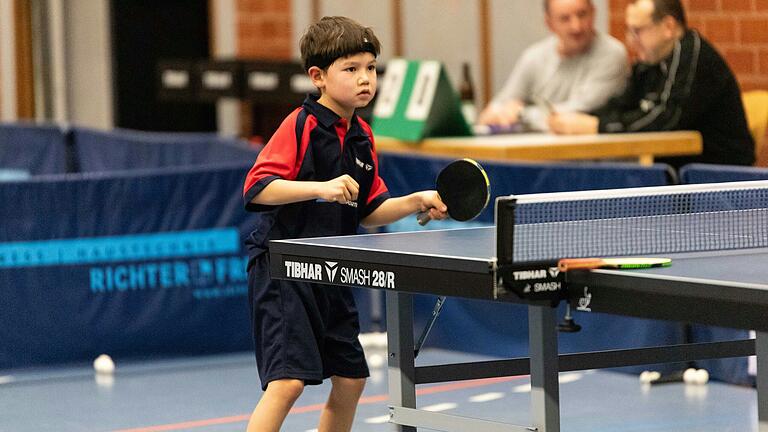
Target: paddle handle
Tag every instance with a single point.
(423, 218)
(348, 203)
(565, 265)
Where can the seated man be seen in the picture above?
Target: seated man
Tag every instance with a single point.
(679, 83)
(575, 69)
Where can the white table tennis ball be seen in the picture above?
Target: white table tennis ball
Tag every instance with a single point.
(702, 376)
(689, 376)
(647, 377)
(696, 376)
(644, 377)
(104, 364)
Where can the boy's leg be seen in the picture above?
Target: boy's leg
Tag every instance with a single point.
(274, 405)
(339, 411)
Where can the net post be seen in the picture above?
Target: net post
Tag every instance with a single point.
(505, 228)
(537, 282)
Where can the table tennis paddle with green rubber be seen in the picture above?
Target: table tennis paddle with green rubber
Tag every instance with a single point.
(568, 264)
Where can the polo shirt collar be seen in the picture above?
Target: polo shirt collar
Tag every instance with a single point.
(325, 116)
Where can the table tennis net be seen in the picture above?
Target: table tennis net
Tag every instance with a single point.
(642, 221)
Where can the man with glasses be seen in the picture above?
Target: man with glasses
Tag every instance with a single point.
(575, 69)
(679, 82)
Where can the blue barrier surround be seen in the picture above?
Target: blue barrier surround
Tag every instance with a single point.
(709, 173)
(131, 264)
(145, 258)
(33, 149)
(122, 149)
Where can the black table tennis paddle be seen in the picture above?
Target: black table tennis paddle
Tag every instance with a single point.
(464, 188)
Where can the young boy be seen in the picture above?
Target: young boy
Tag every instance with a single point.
(318, 176)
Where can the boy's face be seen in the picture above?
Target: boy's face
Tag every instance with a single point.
(348, 83)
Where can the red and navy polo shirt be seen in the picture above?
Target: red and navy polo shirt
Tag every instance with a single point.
(313, 144)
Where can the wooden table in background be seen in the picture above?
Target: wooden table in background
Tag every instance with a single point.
(642, 146)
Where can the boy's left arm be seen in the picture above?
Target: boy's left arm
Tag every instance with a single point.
(394, 209)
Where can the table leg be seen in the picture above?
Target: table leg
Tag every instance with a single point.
(545, 388)
(377, 307)
(402, 390)
(761, 350)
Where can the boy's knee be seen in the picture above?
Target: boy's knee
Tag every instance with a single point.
(349, 384)
(287, 389)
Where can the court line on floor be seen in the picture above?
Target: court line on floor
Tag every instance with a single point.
(443, 388)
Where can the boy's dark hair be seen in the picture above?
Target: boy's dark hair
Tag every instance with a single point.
(673, 8)
(334, 37)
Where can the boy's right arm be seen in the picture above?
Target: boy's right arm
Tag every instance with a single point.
(272, 179)
(342, 189)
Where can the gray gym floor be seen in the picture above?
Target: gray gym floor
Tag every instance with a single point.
(217, 393)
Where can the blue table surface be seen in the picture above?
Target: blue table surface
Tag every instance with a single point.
(469, 243)
(747, 268)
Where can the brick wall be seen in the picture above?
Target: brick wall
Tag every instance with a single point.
(264, 29)
(737, 28)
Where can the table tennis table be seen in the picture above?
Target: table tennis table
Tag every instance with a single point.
(717, 236)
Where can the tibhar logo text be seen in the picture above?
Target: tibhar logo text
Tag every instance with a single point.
(301, 270)
(530, 274)
(339, 274)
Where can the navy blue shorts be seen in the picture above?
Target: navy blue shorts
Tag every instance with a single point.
(301, 330)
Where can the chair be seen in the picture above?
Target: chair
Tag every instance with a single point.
(756, 108)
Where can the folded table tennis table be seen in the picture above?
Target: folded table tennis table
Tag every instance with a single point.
(717, 236)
